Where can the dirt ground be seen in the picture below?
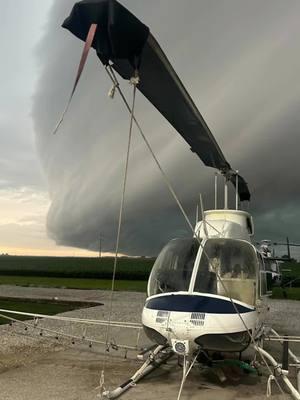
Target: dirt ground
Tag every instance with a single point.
(34, 367)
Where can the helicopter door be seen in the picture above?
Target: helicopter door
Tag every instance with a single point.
(228, 267)
(268, 269)
(262, 276)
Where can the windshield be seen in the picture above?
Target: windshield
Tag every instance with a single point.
(228, 268)
(173, 267)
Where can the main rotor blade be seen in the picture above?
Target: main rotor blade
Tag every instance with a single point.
(160, 84)
(124, 41)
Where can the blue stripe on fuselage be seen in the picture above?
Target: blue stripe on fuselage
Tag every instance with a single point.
(192, 303)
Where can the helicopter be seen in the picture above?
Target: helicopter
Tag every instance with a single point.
(221, 246)
(206, 293)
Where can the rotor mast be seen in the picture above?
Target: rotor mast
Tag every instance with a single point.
(232, 176)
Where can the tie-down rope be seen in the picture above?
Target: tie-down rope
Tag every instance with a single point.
(134, 81)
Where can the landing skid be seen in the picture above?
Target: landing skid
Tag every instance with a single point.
(156, 358)
(277, 369)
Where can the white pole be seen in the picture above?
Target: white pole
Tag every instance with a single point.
(203, 216)
(216, 191)
(225, 193)
(237, 190)
(197, 216)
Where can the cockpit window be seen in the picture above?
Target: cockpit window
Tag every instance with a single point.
(173, 267)
(228, 268)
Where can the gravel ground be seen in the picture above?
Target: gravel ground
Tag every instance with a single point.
(34, 367)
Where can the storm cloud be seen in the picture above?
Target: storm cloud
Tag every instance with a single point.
(239, 60)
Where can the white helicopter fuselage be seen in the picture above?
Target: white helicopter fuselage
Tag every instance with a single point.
(207, 291)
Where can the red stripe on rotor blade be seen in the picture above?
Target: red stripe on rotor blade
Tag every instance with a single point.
(85, 52)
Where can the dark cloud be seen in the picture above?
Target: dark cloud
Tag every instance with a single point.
(240, 63)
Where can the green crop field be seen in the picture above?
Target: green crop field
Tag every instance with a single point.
(286, 293)
(76, 267)
(72, 283)
(290, 286)
(291, 269)
(75, 272)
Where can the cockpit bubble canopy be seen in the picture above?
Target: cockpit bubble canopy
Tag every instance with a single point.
(227, 267)
(173, 267)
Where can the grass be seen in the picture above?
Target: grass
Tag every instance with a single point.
(291, 269)
(75, 272)
(72, 283)
(290, 273)
(286, 293)
(37, 307)
(76, 267)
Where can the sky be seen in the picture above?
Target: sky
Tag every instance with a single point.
(240, 62)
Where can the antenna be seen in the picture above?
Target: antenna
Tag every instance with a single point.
(197, 219)
(225, 193)
(203, 216)
(237, 190)
(216, 190)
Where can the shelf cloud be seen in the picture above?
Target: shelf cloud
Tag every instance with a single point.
(239, 61)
